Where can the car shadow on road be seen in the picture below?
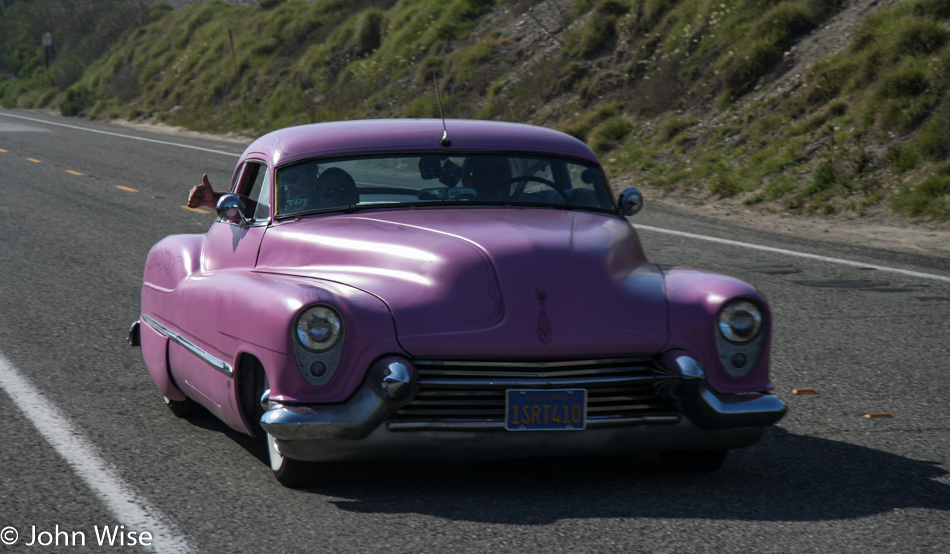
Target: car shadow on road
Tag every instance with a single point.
(785, 477)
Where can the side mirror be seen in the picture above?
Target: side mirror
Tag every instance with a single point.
(631, 201)
(231, 209)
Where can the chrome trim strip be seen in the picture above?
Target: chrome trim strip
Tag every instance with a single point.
(491, 425)
(540, 365)
(548, 372)
(540, 382)
(220, 365)
(445, 425)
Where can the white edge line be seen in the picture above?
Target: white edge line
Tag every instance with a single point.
(71, 444)
(167, 143)
(798, 254)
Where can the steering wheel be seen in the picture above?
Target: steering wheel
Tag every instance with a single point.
(525, 179)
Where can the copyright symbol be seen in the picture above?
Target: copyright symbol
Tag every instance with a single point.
(9, 536)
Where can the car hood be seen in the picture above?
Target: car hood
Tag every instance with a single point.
(492, 283)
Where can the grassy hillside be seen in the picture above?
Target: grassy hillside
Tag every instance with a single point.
(727, 98)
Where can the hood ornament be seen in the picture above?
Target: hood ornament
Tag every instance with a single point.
(544, 330)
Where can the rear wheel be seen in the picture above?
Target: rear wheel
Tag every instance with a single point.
(182, 408)
(693, 461)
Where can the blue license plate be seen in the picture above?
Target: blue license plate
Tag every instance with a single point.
(545, 410)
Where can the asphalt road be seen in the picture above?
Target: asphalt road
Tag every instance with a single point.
(80, 206)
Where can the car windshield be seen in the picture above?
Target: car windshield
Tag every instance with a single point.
(424, 179)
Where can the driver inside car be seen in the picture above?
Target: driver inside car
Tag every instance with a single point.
(490, 176)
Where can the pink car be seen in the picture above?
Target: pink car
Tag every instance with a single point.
(393, 289)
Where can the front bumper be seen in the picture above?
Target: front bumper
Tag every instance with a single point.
(388, 385)
(363, 428)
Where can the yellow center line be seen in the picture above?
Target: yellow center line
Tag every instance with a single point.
(196, 210)
(130, 189)
(73, 172)
(2, 150)
(34, 160)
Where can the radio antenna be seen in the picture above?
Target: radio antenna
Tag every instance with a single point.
(446, 141)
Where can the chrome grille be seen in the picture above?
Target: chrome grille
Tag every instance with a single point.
(472, 394)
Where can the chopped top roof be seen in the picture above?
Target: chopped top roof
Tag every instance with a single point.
(391, 135)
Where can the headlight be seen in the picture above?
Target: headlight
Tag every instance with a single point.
(319, 328)
(740, 321)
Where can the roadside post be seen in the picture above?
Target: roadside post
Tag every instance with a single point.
(47, 44)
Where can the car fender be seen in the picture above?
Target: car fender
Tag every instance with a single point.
(237, 312)
(695, 298)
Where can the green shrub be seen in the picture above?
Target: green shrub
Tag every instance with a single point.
(921, 37)
(78, 100)
(775, 189)
(423, 106)
(901, 159)
(601, 28)
(929, 198)
(653, 10)
(744, 69)
(672, 126)
(784, 22)
(906, 81)
(160, 10)
(569, 75)
(821, 9)
(902, 116)
(764, 45)
(725, 181)
(46, 97)
(583, 128)
(608, 134)
(933, 139)
(202, 16)
(823, 178)
(369, 31)
(613, 7)
(432, 65)
(827, 80)
(936, 9)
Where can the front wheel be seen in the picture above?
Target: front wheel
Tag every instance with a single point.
(693, 461)
(293, 474)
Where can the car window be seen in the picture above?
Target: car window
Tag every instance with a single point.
(419, 179)
(255, 187)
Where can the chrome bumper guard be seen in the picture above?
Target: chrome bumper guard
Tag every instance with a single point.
(388, 386)
(707, 410)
